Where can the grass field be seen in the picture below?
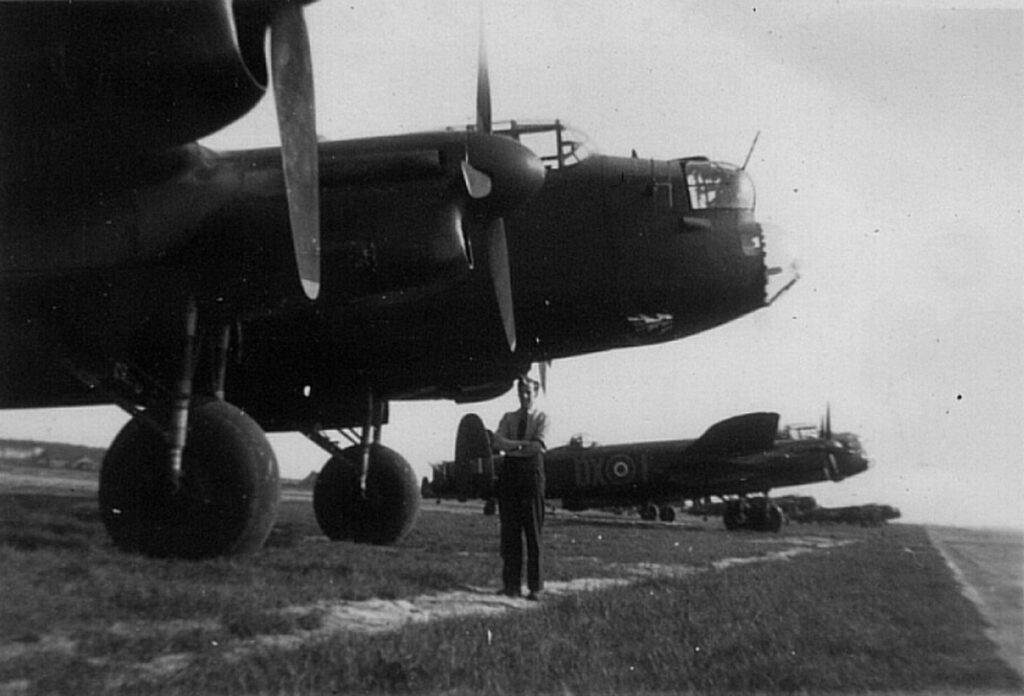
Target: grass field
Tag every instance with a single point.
(699, 611)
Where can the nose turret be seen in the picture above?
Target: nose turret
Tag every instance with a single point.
(854, 463)
(845, 459)
(722, 195)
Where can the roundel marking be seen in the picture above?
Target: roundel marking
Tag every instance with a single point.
(620, 469)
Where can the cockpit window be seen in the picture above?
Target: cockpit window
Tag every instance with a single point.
(557, 144)
(718, 185)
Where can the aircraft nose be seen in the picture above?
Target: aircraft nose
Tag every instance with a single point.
(781, 268)
(855, 463)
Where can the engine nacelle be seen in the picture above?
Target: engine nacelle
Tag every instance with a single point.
(122, 75)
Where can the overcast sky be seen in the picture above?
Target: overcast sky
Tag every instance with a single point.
(891, 155)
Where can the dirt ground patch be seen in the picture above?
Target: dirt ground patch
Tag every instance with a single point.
(380, 615)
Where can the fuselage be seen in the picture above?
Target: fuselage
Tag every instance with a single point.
(661, 472)
(605, 253)
(666, 472)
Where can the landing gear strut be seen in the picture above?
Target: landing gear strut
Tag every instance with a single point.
(759, 514)
(225, 501)
(189, 476)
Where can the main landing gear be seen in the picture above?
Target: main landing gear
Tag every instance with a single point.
(225, 499)
(192, 476)
(650, 512)
(365, 493)
(759, 514)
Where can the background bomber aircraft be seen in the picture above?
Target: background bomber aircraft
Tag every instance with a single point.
(216, 296)
(734, 457)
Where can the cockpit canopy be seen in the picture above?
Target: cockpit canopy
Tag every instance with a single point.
(558, 145)
(718, 185)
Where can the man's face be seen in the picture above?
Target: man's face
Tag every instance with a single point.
(526, 392)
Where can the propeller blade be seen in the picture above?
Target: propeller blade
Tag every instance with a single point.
(542, 367)
(483, 86)
(832, 468)
(501, 278)
(828, 421)
(478, 184)
(296, 117)
(453, 219)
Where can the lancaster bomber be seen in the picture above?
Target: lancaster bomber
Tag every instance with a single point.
(216, 296)
(732, 459)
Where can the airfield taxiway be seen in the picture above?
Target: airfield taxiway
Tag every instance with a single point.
(989, 564)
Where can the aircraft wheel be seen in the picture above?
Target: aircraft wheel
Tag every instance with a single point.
(730, 520)
(649, 512)
(225, 504)
(667, 513)
(383, 515)
(734, 517)
(490, 507)
(772, 517)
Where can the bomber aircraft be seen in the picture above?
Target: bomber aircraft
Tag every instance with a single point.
(216, 296)
(734, 457)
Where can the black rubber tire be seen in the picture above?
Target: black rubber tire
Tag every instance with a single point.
(229, 491)
(667, 513)
(732, 516)
(773, 518)
(384, 515)
(490, 507)
(649, 512)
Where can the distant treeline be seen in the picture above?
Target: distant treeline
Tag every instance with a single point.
(50, 455)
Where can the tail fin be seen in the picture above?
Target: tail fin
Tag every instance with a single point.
(474, 464)
(472, 440)
(744, 434)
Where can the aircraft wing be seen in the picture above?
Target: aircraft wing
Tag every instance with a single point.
(739, 435)
(729, 457)
(741, 455)
(96, 96)
(113, 79)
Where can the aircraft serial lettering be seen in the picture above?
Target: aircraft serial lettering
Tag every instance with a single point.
(616, 469)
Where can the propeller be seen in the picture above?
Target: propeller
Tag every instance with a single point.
(501, 276)
(479, 185)
(824, 427)
(825, 433)
(543, 368)
(832, 468)
(296, 117)
(483, 84)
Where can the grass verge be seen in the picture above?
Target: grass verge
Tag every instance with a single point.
(882, 614)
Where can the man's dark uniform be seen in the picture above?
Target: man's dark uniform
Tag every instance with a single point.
(521, 502)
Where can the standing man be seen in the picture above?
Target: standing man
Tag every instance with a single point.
(520, 436)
